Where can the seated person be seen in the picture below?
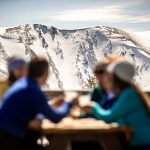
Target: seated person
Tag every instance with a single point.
(132, 107)
(17, 68)
(103, 93)
(22, 102)
(98, 92)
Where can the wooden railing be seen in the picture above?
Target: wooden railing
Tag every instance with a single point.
(54, 93)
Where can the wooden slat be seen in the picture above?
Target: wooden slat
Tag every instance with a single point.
(90, 126)
(54, 93)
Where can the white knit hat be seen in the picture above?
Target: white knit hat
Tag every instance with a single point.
(123, 69)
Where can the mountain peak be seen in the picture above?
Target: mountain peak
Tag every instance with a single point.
(72, 53)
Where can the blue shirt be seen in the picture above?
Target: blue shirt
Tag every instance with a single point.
(108, 100)
(129, 110)
(22, 102)
(105, 99)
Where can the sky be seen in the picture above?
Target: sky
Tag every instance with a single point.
(72, 14)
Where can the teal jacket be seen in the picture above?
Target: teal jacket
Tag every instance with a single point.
(97, 94)
(128, 110)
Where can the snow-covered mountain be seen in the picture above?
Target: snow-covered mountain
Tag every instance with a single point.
(73, 53)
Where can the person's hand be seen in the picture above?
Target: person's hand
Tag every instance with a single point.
(87, 108)
(57, 101)
(35, 124)
(75, 112)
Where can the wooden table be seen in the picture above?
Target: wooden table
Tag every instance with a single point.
(108, 135)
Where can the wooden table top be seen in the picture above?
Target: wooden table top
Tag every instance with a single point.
(87, 125)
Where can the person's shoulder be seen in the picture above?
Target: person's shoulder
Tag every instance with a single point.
(97, 88)
(130, 93)
(21, 83)
(34, 87)
(38, 95)
(16, 87)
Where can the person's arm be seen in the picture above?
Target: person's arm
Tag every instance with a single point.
(125, 105)
(40, 105)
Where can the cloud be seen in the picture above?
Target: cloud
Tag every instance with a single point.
(112, 13)
(140, 19)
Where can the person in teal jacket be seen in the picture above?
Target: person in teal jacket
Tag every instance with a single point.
(131, 107)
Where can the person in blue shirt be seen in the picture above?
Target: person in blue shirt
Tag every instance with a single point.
(17, 68)
(22, 102)
(102, 93)
(132, 106)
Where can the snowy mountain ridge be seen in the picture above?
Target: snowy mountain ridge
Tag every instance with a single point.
(73, 53)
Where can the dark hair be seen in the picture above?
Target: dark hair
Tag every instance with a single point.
(37, 67)
(11, 78)
(99, 72)
(122, 85)
(100, 67)
(119, 83)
